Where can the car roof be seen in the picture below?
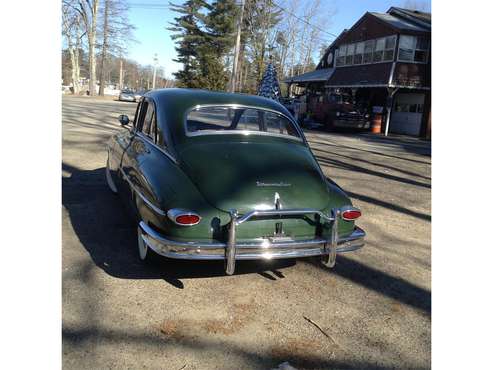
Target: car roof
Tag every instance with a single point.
(174, 103)
(188, 98)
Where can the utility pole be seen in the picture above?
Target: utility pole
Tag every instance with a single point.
(154, 74)
(237, 49)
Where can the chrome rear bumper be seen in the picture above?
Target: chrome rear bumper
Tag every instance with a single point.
(261, 248)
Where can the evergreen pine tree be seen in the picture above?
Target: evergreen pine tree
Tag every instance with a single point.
(219, 39)
(269, 85)
(203, 40)
(189, 37)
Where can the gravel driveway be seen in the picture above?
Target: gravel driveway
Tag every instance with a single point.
(374, 306)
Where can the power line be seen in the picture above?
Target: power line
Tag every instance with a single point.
(153, 6)
(304, 20)
(148, 6)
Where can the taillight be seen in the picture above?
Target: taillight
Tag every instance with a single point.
(350, 213)
(183, 217)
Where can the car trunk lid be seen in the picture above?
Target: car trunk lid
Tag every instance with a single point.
(246, 176)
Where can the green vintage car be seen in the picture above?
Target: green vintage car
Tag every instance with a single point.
(217, 176)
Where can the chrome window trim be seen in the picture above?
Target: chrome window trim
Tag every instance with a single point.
(301, 137)
(137, 191)
(148, 140)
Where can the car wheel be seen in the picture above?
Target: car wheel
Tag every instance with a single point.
(109, 179)
(329, 125)
(146, 254)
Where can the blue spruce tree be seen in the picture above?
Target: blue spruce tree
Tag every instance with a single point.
(269, 85)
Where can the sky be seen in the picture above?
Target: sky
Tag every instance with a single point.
(152, 17)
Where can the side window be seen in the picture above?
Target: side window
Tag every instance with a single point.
(152, 131)
(141, 115)
(148, 119)
(136, 117)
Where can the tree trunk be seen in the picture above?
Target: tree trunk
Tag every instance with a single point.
(103, 51)
(73, 61)
(91, 36)
(77, 64)
(234, 73)
(68, 29)
(120, 82)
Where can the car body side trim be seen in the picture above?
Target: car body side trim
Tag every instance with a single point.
(147, 139)
(139, 193)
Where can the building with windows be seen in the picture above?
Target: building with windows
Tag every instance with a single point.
(384, 62)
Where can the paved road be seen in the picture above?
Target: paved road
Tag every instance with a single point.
(375, 306)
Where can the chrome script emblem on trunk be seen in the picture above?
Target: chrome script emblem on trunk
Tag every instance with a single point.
(278, 184)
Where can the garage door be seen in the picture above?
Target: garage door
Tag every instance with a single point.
(407, 114)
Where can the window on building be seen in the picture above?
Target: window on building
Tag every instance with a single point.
(379, 48)
(341, 55)
(421, 52)
(368, 55)
(366, 52)
(388, 54)
(406, 48)
(413, 49)
(358, 54)
(350, 54)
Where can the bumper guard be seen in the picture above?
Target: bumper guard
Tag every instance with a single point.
(261, 248)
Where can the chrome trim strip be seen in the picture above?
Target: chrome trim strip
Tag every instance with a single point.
(242, 132)
(175, 212)
(137, 191)
(282, 212)
(147, 139)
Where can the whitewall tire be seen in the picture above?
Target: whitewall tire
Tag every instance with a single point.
(109, 180)
(146, 254)
(143, 248)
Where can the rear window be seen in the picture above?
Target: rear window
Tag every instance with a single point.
(211, 120)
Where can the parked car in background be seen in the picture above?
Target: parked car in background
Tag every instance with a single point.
(290, 104)
(218, 176)
(139, 94)
(338, 110)
(127, 95)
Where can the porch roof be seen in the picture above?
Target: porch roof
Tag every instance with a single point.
(318, 75)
